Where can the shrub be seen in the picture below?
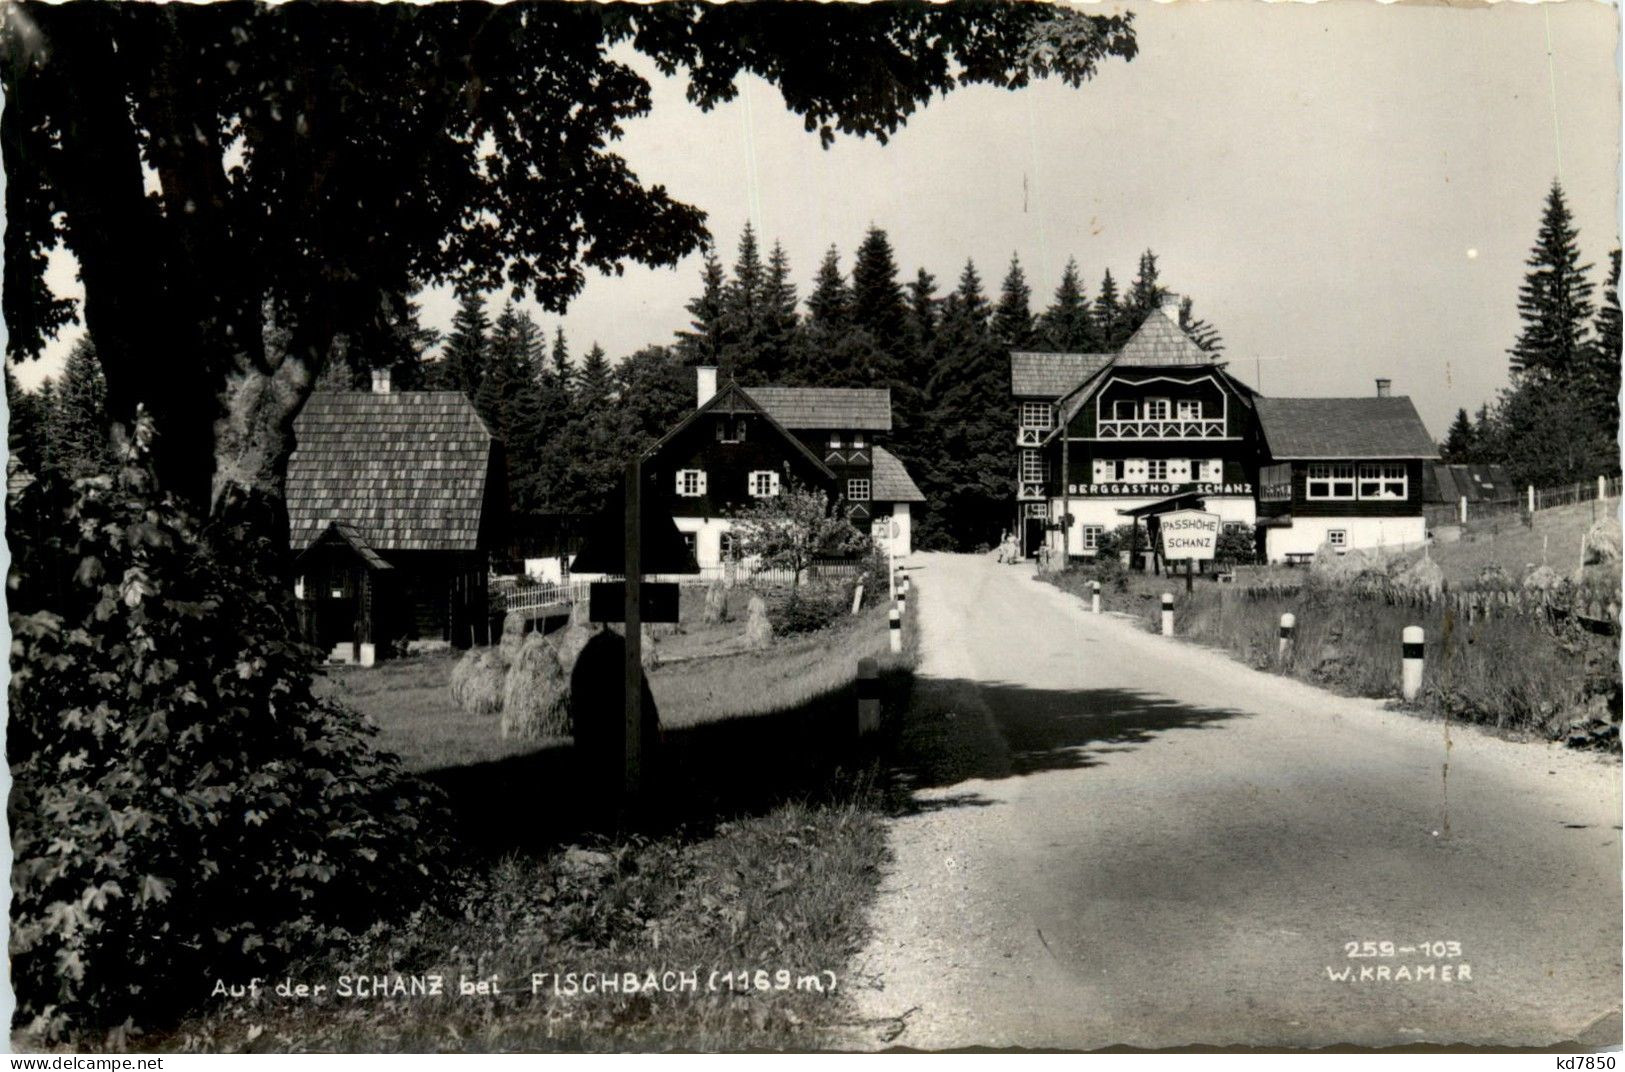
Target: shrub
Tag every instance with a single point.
(184, 809)
(1236, 545)
(807, 609)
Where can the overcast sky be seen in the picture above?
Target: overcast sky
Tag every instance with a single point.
(1347, 191)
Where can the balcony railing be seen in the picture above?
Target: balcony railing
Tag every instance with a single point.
(1029, 490)
(1030, 437)
(1169, 429)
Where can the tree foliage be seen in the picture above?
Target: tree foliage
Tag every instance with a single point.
(1554, 301)
(792, 529)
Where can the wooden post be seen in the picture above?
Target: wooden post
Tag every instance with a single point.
(1167, 614)
(1463, 507)
(1411, 652)
(1190, 564)
(868, 697)
(633, 784)
(1066, 498)
(1531, 500)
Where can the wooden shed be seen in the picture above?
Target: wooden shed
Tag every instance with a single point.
(395, 503)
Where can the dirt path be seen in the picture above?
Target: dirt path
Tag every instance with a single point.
(1125, 840)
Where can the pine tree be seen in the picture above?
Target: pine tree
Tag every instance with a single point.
(527, 431)
(780, 318)
(25, 424)
(1554, 300)
(744, 314)
(707, 343)
(827, 352)
(877, 297)
(1013, 320)
(1109, 326)
(465, 349)
(830, 303)
(505, 370)
(1458, 446)
(1068, 325)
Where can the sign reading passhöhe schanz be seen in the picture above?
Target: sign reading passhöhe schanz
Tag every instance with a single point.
(1189, 534)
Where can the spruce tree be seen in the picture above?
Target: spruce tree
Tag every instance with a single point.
(779, 318)
(1109, 327)
(1458, 441)
(877, 297)
(79, 417)
(826, 351)
(1603, 355)
(1203, 334)
(465, 348)
(744, 314)
(1068, 325)
(1144, 295)
(1554, 301)
(1013, 320)
(504, 369)
(706, 343)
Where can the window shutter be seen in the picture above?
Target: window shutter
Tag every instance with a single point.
(679, 481)
(702, 481)
(773, 484)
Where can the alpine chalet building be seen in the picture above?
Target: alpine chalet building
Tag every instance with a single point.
(1108, 438)
(1120, 438)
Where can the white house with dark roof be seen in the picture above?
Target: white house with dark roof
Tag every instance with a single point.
(1343, 473)
(741, 444)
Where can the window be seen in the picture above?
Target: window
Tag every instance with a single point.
(1190, 409)
(1338, 538)
(1212, 470)
(857, 440)
(1091, 537)
(728, 547)
(688, 541)
(1105, 470)
(691, 483)
(857, 490)
(835, 441)
(763, 483)
(730, 430)
(1156, 469)
(1123, 410)
(1156, 409)
(1032, 465)
(1331, 481)
(1037, 414)
(1383, 481)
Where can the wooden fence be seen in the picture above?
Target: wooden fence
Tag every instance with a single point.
(519, 595)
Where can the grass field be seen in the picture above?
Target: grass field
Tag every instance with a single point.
(1505, 540)
(759, 854)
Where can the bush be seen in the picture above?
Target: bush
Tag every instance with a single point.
(184, 809)
(807, 609)
(1237, 545)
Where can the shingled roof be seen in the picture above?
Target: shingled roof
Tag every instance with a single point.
(1049, 376)
(1161, 341)
(406, 471)
(891, 480)
(858, 409)
(1369, 427)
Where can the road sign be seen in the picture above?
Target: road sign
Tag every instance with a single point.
(1189, 534)
(657, 602)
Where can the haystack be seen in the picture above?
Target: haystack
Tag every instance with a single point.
(536, 693)
(1423, 575)
(1602, 545)
(1493, 575)
(716, 604)
(513, 635)
(477, 681)
(758, 630)
(569, 641)
(1542, 578)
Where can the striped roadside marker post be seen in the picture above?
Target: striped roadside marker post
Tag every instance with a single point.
(896, 630)
(868, 696)
(1289, 626)
(902, 594)
(1167, 614)
(1410, 674)
(1094, 596)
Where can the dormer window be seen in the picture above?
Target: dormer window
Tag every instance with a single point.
(1157, 409)
(857, 440)
(835, 441)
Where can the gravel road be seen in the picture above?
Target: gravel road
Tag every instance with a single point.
(1122, 840)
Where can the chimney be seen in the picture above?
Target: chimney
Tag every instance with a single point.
(706, 376)
(380, 381)
(1383, 385)
(1170, 305)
